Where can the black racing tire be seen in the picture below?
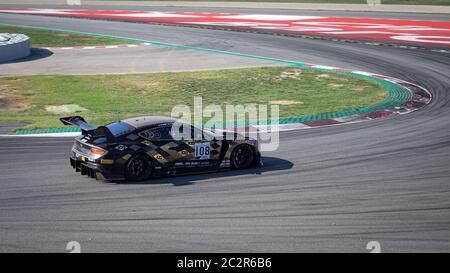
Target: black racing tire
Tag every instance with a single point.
(139, 167)
(242, 157)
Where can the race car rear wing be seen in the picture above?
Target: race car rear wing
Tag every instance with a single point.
(87, 129)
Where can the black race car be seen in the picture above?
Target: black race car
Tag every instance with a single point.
(138, 148)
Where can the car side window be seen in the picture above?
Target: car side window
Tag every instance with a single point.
(157, 134)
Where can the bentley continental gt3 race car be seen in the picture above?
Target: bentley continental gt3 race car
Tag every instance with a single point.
(138, 148)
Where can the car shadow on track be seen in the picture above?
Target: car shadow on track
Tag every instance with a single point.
(270, 164)
(36, 54)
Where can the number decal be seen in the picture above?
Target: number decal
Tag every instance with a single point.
(202, 150)
(374, 247)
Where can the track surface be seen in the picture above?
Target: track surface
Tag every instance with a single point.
(415, 32)
(126, 60)
(328, 189)
(359, 14)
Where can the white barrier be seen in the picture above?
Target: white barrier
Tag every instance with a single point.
(13, 46)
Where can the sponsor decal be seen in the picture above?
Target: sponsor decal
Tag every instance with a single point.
(106, 161)
(202, 150)
(120, 147)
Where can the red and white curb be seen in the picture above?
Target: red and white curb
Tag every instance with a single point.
(400, 31)
(70, 134)
(98, 47)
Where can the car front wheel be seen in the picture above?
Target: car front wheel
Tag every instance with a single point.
(242, 157)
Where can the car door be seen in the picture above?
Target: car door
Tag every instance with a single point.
(204, 147)
(163, 147)
(170, 149)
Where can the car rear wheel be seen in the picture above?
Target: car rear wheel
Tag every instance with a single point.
(242, 157)
(138, 168)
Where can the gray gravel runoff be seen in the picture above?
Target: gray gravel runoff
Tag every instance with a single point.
(323, 190)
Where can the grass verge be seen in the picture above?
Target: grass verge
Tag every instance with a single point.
(48, 38)
(105, 98)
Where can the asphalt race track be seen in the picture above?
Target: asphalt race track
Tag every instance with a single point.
(326, 189)
(126, 60)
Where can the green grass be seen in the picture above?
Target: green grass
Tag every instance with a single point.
(114, 97)
(397, 2)
(48, 38)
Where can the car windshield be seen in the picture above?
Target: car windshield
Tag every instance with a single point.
(119, 128)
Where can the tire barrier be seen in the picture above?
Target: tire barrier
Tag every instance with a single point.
(13, 46)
